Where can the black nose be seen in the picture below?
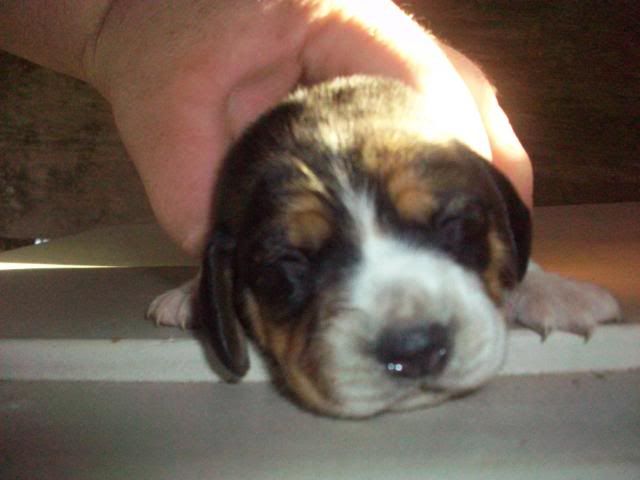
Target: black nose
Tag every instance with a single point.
(414, 352)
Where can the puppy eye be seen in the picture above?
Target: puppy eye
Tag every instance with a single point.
(461, 221)
(461, 228)
(283, 278)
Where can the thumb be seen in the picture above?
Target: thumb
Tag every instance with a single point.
(507, 153)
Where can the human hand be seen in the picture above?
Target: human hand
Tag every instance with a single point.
(185, 81)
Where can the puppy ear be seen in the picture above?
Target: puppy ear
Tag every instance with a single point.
(216, 306)
(519, 220)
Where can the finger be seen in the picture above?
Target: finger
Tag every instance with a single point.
(374, 37)
(507, 152)
(378, 38)
(177, 149)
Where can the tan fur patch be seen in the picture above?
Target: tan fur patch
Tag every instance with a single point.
(303, 371)
(288, 346)
(392, 158)
(386, 153)
(307, 390)
(492, 274)
(277, 340)
(411, 195)
(255, 317)
(286, 342)
(307, 221)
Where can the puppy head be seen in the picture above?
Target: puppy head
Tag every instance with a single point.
(367, 261)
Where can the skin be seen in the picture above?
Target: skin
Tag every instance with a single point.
(185, 78)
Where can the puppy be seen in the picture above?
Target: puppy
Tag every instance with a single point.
(375, 267)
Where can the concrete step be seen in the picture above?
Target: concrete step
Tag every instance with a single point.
(90, 389)
(89, 324)
(559, 427)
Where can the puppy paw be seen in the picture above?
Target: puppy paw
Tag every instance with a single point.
(546, 302)
(174, 308)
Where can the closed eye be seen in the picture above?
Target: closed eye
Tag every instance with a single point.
(461, 223)
(461, 229)
(283, 279)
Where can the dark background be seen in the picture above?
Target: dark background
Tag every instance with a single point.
(567, 73)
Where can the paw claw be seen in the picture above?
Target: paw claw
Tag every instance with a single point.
(173, 308)
(546, 302)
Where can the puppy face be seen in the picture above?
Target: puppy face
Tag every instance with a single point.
(366, 260)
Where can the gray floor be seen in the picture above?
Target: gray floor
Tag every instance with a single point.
(557, 427)
(563, 426)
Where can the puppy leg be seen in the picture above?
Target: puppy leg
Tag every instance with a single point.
(546, 302)
(174, 308)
